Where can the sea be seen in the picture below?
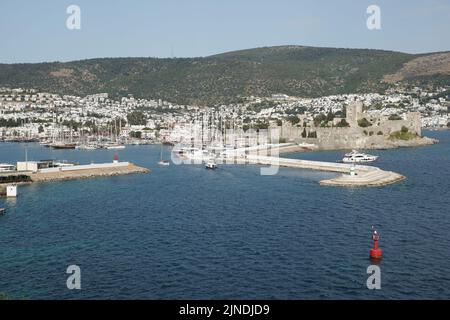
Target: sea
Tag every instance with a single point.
(184, 232)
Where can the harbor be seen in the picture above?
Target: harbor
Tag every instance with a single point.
(166, 225)
(353, 175)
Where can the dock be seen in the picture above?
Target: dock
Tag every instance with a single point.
(74, 172)
(365, 176)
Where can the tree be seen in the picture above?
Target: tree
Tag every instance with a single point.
(312, 134)
(293, 120)
(136, 118)
(330, 116)
(41, 129)
(395, 117)
(304, 133)
(136, 134)
(364, 123)
(343, 123)
(319, 119)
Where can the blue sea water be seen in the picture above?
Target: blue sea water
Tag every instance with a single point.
(183, 232)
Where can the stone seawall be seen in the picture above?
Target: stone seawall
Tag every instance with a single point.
(87, 173)
(67, 174)
(366, 176)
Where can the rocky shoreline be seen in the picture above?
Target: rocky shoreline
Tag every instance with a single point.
(395, 144)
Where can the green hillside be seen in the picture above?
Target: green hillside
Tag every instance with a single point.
(294, 70)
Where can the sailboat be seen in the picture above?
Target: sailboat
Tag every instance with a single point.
(161, 161)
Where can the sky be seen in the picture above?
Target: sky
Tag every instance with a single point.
(36, 31)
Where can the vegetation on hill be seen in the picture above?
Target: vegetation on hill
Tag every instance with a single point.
(223, 78)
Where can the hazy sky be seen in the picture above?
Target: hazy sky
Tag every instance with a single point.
(35, 31)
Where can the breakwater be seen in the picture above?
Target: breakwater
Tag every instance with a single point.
(80, 172)
(365, 176)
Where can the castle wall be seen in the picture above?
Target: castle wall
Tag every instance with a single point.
(353, 137)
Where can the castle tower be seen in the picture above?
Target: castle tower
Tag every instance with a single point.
(414, 122)
(354, 113)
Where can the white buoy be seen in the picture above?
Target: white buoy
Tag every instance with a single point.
(11, 191)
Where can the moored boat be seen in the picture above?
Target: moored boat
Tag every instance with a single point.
(358, 157)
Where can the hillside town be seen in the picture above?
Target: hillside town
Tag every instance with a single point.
(27, 114)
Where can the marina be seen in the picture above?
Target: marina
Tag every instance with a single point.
(171, 232)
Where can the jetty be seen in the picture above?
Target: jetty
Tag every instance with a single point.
(71, 172)
(352, 175)
(87, 171)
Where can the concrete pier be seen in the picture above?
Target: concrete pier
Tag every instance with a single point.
(72, 172)
(86, 173)
(366, 176)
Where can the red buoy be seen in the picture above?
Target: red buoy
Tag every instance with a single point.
(375, 252)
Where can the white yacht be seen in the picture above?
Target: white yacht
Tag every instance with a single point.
(210, 164)
(358, 157)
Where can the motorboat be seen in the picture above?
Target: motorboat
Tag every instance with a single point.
(211, 165)
(358, 157)
(114, 146)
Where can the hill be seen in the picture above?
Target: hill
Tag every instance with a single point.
(222, 78)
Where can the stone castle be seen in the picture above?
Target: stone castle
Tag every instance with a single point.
(354, 136)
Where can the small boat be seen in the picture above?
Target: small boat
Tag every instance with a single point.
(211, 165)
(115, 147)
(358, 157)
(86, 147)
(63, 146)
(2, 211)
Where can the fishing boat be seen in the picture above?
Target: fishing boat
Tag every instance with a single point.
(358, 157)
